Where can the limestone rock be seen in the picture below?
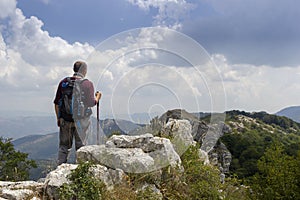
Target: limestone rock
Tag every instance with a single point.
(203, 156)
(133, 154)
(17, 194)
(221, 157)
(57, 178)
(20, 190)
(180, 134)
(110, 177)
(207, 135)
(150, 190)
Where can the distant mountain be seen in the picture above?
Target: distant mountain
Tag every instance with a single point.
(23, 126)
(110, 126)
(17, 127)
(292, 112)
(46, 146)
(248, 136)
(138, 118)
(201, 114)
(38, 146)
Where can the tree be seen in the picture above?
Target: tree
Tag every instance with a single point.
(278, 176)
(14, 165)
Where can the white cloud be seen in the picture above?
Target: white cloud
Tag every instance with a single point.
(155, 66)
(7, 7)
(37, 47)
(33, 62)
(139, 71)
(170, 12)
(255, 88)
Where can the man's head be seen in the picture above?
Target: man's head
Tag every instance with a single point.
(80, 67)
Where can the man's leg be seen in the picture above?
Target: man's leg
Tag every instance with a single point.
(65, 141)
(82, 129)
(78, 142)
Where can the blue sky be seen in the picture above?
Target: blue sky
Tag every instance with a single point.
(82, 21)
(258, 32)
(254, 43)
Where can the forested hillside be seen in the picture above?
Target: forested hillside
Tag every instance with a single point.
(253, 133)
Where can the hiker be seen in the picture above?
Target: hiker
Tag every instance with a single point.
(72, 122)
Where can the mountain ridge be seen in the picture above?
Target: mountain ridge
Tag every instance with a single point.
(292, 112)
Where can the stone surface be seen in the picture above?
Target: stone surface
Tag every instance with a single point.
(110, 177)
(20, 190)
(58, 177)
(207, 135)
(150, 190)
(17, 194)
(221, 157)
(142, 153)
(133, 154)
(203, 156)
(180, 134)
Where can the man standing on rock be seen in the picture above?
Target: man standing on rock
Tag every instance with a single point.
(73, 101)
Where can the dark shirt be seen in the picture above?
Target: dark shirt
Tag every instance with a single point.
(87, 87)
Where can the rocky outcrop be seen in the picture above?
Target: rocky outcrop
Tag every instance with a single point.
(133, 154)
(154, 147)
(207, 135)
(21, 190)
(180, 134)
(59, 176)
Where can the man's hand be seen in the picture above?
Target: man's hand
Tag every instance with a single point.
(58, 122)
(98, 96)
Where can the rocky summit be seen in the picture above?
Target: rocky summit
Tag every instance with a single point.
(147, 150)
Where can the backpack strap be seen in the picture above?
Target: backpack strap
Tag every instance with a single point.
(80, 81)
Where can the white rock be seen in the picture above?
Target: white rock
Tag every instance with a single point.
(57, 178)
(16, 194)
(20, 190)
(180, 134)
(133, 154)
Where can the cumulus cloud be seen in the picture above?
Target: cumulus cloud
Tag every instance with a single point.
(156, 66)
(7, 7)
(255, 88)
(137, 71)
(170, 12)
(33, 62)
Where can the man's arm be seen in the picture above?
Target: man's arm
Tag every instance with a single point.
(56, 108)
(91, 98)
(56, 101)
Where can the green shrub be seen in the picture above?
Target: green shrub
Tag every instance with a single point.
(198, 181)
(83, 185)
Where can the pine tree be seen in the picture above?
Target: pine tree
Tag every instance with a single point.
(14, 165)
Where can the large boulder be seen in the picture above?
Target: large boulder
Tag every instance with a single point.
(56, 178)
(180, 134)
(133, 154)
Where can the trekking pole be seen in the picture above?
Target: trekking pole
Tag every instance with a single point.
(98, 124)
